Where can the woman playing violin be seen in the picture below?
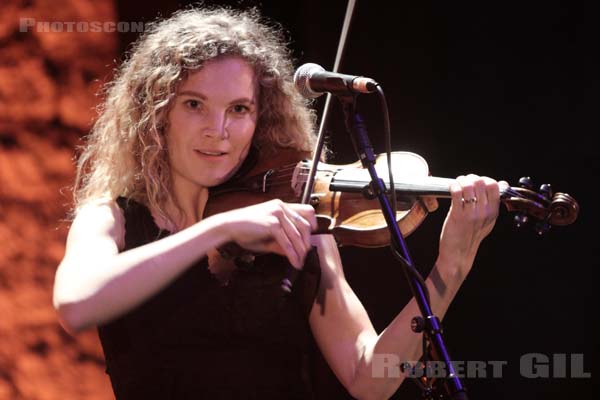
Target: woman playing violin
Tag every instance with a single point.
(177, 318)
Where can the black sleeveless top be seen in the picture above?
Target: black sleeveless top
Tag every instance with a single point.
(200, 339)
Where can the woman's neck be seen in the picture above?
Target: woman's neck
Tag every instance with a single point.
(185, 207)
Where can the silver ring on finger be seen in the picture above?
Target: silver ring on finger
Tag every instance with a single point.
(471, 200)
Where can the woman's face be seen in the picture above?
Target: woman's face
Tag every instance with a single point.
(212, 122)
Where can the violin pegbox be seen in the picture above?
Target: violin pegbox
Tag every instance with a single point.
(542, 208)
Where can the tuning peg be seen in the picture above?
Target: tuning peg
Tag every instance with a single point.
(520, 219)
(546, 191)
(526, 182)
(542, 227)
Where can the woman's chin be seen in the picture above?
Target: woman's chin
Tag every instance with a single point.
(218, 180)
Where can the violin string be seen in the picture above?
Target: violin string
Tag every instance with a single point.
(284, 178)
(285, 168)
(285, 173)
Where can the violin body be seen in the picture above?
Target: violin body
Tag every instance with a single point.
(353, 215)
(352, 218)
(345, 206)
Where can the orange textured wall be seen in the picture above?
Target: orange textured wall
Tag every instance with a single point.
(49, 76)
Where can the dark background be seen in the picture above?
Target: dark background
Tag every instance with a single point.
(495, 88)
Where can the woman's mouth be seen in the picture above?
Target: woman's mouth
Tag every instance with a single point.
(210, 153)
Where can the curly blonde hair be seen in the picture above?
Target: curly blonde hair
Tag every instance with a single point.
(125, 152)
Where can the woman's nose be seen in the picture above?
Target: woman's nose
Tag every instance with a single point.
(217, 125)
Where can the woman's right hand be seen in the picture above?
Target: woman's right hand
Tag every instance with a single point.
(271, 227)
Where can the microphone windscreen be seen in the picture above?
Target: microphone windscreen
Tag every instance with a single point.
(302, 79)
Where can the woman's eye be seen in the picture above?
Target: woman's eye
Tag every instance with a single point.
(240, 108)
(193, 104)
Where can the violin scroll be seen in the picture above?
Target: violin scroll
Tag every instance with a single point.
(546, 207)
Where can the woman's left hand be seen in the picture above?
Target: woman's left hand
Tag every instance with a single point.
(472, 215)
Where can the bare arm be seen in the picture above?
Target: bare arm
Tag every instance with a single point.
(96, 283)
(341, 325)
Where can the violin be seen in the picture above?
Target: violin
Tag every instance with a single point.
(346, 208)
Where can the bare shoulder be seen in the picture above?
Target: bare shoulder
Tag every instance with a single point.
(98, 226)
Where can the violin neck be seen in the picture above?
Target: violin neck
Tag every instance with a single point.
(424, 186)
(416, 187)
(427, 186)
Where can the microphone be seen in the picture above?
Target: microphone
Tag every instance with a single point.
(312, 81)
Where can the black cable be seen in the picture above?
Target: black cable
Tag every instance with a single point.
(388, 136)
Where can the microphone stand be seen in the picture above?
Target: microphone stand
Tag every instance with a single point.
(429, 324)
